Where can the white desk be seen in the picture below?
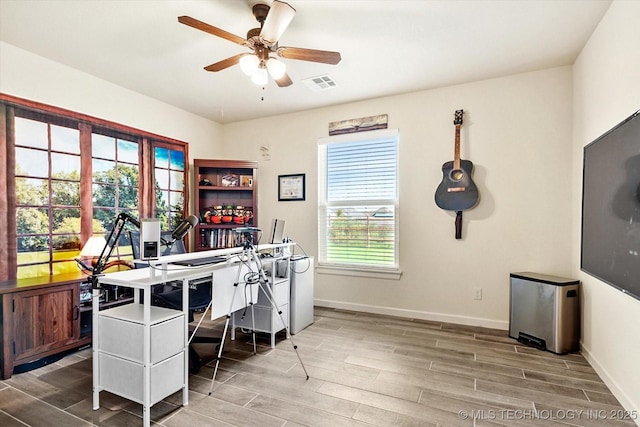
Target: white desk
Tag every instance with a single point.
(137, 346)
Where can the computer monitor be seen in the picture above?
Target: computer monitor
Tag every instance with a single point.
(277, 231)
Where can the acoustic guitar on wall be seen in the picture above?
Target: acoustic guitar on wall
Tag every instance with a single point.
(457, 191)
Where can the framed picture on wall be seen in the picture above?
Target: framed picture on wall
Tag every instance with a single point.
(291, 187)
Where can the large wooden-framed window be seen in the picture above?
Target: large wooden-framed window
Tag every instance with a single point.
(47, 194)
(169, 185)
(115, 168)
(67, 176)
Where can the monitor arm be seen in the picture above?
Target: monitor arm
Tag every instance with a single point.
(102, 262)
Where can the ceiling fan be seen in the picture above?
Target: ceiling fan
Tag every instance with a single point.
(263, 42)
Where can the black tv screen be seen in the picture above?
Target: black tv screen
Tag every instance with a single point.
(611, 207)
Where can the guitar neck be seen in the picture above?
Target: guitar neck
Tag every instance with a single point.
(456, 150)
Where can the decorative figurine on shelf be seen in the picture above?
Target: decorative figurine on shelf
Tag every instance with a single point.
(216, 216)
(227, 214)
(238, 215)
(248, 215)
(205, 216)
(230, 180)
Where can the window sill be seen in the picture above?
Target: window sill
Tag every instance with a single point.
(359, 272)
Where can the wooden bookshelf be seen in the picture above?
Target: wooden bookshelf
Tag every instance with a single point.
(226, 197)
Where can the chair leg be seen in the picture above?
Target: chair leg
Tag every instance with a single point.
(195, 362)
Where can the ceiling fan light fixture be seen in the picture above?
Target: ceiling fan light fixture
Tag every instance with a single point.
(276, 68)
(274, 17)
(260, 77)
(249, 64)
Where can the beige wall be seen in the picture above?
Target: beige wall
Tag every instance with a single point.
(517, 131)
(606, 91)
(33, 77)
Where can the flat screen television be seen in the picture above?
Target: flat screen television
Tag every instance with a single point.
(610, 248)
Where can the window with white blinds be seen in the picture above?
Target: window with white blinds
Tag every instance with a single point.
(358, 200)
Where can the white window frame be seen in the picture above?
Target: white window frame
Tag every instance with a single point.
(325, 267)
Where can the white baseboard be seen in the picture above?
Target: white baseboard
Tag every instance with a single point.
(413, 314)
(622, 397)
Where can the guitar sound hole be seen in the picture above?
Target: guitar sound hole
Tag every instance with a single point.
(456, 175)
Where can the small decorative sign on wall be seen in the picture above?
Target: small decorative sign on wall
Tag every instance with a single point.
(358, 125)
(291, 187)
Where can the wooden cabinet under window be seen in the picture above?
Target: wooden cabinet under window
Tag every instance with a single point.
(39, 320)
(225, 198)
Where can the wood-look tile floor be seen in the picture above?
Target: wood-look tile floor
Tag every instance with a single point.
(365, 370)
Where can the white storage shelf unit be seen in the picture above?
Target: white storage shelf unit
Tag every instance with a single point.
(139, 350)
(267, 319)
(121, 332)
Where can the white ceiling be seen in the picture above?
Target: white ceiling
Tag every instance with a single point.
(388, 47)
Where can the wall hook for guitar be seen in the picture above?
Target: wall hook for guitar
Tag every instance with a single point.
(457, 191)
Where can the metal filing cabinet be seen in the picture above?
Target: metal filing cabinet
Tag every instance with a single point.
(545, 311)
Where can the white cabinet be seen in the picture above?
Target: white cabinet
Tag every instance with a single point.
(301, 302)
(126, 378)
(268, 319)
(121, 351)
(140, 350)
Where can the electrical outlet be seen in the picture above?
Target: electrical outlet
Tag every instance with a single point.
(477, 293)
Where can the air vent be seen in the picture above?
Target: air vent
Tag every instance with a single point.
(320, 83)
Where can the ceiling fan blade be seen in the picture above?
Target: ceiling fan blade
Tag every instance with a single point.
(284, 81)
(278, 19)
(225, 63)
(324, 56)
(202, 26)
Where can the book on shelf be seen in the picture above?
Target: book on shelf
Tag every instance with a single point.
(219, 238)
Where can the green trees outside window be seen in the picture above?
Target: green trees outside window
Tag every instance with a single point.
(47, 171)
(169, 186)
(52, 164)
(358, 201)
